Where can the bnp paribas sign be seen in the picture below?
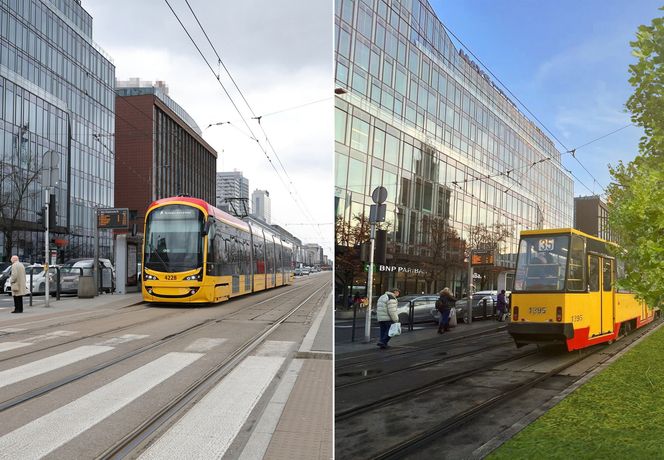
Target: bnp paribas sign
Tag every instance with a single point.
(398, 269)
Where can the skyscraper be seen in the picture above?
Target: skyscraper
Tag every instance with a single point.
(262, 208)
(234, 186)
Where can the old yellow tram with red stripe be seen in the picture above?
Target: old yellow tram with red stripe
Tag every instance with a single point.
(196, 253)
(565, 291)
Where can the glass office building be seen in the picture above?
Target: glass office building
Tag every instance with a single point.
(416, 115)
(56, 102)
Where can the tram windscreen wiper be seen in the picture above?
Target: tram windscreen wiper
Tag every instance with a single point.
(155, 251)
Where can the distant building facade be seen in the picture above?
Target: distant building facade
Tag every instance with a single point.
(234, 186)
(261, 205)
(313, 254)
(56, 100)
(591, 216)
(415, 115)
(159, 150)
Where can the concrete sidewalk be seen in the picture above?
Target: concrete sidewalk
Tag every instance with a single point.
(421, 332)
(297, 423)
(74, 303)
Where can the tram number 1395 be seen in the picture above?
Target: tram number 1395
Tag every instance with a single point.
(537, 310)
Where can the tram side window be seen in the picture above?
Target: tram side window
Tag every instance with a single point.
(606, 277)
(593, 274)
(621, 274)
(577, 266)
(258, 258)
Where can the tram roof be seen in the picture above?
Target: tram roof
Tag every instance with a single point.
(209, 209)
(562, 231)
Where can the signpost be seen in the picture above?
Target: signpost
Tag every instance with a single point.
(49, 177)
(376, 214)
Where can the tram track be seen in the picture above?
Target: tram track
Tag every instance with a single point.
(142, 434)
(423, 364)
(414, 392)
(176, 313)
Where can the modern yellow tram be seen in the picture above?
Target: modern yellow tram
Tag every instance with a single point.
(565, 292)
(196, 253)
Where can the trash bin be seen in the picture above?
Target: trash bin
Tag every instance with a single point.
(87, 288)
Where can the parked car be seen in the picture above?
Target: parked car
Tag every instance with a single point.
(74, 268)
(421, 304)
(38, 279)
(480, 308)
(298, 272)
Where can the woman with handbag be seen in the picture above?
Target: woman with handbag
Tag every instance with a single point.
(444, 304)
(386, 314)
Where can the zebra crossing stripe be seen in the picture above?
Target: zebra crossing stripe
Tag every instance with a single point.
(204, 344)
(42, 366)
(6, 346)
(209, 428)
(45, 434)
(122, 339)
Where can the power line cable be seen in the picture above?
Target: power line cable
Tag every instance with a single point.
(217, 77)
(253, 115)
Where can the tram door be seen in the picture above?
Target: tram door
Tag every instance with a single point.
(608, 313)
(594, 296)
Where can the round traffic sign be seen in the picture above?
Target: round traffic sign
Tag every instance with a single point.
(379, 195)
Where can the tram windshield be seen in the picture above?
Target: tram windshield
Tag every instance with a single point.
(542, 262)
(173, 239)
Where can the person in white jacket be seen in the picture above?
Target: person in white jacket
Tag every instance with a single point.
(386, 314)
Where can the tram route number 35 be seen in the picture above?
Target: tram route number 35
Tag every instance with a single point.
(537, 310)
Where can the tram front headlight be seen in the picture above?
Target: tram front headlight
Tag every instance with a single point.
(195, 277)
(149, 277)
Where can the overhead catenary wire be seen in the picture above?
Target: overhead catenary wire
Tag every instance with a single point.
(218, 78)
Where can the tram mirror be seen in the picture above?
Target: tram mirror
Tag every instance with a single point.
(206, 228)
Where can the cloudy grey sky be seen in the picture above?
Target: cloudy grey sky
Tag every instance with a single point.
(280, 54)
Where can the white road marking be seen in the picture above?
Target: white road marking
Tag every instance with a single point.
(11, 329)
(51, 335)
(204, 344)
(209, 428)
(122, 339)
(42, 366)
(45, 434)
(262, 435)
(6, 346)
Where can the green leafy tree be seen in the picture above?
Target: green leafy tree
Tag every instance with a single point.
(636, 197)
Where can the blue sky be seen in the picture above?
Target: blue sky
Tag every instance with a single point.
(567, 61)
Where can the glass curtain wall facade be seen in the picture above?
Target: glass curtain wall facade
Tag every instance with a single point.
(417, 116)
(56, 95)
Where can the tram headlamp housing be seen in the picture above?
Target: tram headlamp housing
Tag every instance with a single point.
(515, 313)
(195, 277)
(148, 277)
(559, 314)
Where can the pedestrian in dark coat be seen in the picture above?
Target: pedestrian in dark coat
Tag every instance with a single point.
(18, 284)
(501, 306)
(444, 304)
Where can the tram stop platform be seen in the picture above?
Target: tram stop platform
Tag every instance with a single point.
(297, 422)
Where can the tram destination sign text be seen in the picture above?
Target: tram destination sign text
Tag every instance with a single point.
(112, 218)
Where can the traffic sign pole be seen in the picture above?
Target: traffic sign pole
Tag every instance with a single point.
(46, 248)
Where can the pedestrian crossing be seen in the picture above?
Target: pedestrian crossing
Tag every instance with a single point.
(207, 430)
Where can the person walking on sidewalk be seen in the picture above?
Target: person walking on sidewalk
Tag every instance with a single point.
(501, 306)
(386, 314)
(17, 282)
(444, 304)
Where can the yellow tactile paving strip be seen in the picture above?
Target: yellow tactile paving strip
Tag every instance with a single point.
(305, 428)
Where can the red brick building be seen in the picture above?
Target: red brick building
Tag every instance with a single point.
(159, 152)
